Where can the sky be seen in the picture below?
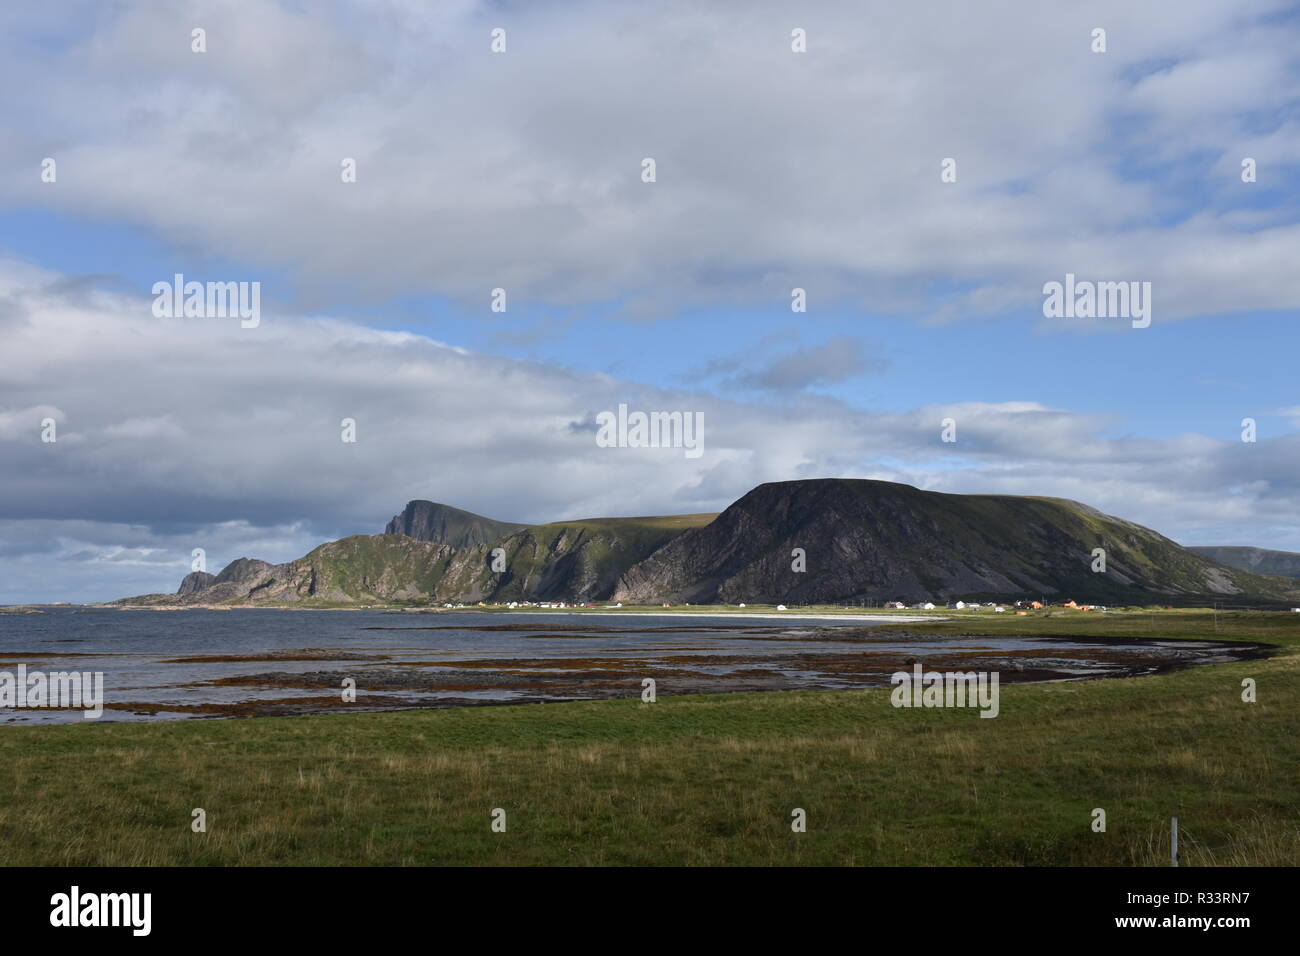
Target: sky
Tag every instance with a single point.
(522, 169)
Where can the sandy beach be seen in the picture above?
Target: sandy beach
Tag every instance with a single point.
(786, 615)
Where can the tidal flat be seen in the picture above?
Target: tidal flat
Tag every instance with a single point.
(699, 779)
(246, 663)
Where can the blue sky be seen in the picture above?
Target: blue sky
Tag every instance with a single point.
(1203, 374)
(522, 170)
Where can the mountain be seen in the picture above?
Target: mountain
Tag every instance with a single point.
(196, 581)
(572, 560)
(861, 541)
(568, 560)
(443, 524)
(1259, 560)
(363, 569)
(876, 540)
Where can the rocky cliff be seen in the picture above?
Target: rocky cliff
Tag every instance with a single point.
(794, 542)
(876, 540)
(195, 581)
(443, 524)
(1259, 560)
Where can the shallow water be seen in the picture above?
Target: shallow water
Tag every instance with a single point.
(154, 668)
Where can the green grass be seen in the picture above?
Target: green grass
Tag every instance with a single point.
(659, 522)
(704, 780)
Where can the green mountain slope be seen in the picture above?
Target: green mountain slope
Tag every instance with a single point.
(568, 560)
(1284, 564)
(571, 560)
(860, 540)
(875, 540)
(443, 524)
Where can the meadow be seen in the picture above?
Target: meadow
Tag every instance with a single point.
(708, 780)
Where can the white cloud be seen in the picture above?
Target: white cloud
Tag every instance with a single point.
(521, 170)
(476, 171)
(183, 433)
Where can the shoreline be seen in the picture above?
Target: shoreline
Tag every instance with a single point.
(779, 615)
(731, 612)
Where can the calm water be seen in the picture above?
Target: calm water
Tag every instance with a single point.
(416, 660)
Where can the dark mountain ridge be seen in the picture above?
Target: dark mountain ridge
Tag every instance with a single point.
(1284, 564)
(858, 541)
(875, 540)
(443, 524)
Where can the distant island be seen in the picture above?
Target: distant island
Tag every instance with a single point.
(819, 541)
(1284, 564)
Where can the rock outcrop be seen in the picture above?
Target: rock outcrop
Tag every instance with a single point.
(877, 540)
(1258, 560)
(793, 542)
(443, 524)
(195, 581)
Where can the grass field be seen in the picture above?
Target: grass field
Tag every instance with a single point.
(705, 780)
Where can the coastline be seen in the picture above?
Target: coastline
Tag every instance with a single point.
(703, 611)
(781, 615)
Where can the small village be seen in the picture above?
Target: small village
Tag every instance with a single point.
(1019, 607)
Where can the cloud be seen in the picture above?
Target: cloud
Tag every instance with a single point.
(522, 171)
(184, 433)
(86, 561)
(820, 170)
(835, 361)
